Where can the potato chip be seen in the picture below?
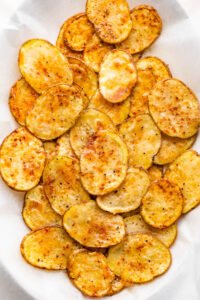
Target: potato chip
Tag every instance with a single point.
(64, 147)
(111, 19)
(185, 172)
(129, 195)
(174, 108)
(55, 112)
(43, 65)
(37, 212)
(139, 258)
(22, 98)
(136, 56)
(93, 227)
(62, 185)
(143, 139)
(116, 287)
(104, 163)
(22, 159)
(131, 213)
(89, 123)
(147, 26)
(50, 150)
(155, 173)
(163, 204)
(117, 112)
(150, 70)
(48, 248)
(117, 76)
(171, 148)
(135, 224)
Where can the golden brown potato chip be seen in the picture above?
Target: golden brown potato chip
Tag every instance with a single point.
(174, 108)
(137, 56)
(117, 76)
(117, 112)
(104, 163)
(89, 123)
(55, 111)
(147, 26)
(163, 204)
(64, 147)
(143, 139)
(50, 150)
(43, 65)
(111, 19)
(48, 248)
(135, 224)
(155, 173)
(37, 212)
(185, 172)
(139, 258)
(129, 195)
(171, 148)
(62, 185)
(90, 273)
(93, 227)
(131, 213)
(117, 286)
(22, 98)
(150, 70)
(22, 159)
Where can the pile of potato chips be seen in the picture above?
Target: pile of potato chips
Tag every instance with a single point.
(102, 151)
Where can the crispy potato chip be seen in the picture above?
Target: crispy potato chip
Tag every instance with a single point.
(37, 212)
(155, 173)
(89, 123)
(185, 172)
(90, 273)
(129, 195)
(137, 56)
(48, 248)
(94, 52)
(43, 65)
(116, 287)
(104, 163)
(174, 108)
(163, 204)
(62, 185)
(117, 112)
(139, 258)
(150, 70)
(147, 26)
(143, 139)
(55, 111)
(117, 76)
(83, 76)
(50, 150)
(131, 213)
(22, 159)
(93, 227)
(135, 224)
(111, 19)
(64, 147)
(21, 100)
(171, 148)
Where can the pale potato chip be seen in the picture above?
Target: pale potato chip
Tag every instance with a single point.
(131, 213)
(129, 195)
(150, 70)
(90, 273)
(147, 26)
(135, 224)
(171, 148)
(64, 147)
(111, 19)
(61, 178)
(118, 112)
(43, 65)
(37, 212)
(139, 258)
(93, 227)
(94, 52)
(55, 111)
(155, 173)
(104, 163)
(48, 248)
(163, 204)
(89, 123)
(117, 286)
(22, 159)
(143, 139)
(117, 76)
(185, 172)
(21, 100)
(174, 108)
(50, 150)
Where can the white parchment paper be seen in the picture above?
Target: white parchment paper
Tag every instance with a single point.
(178, 46)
